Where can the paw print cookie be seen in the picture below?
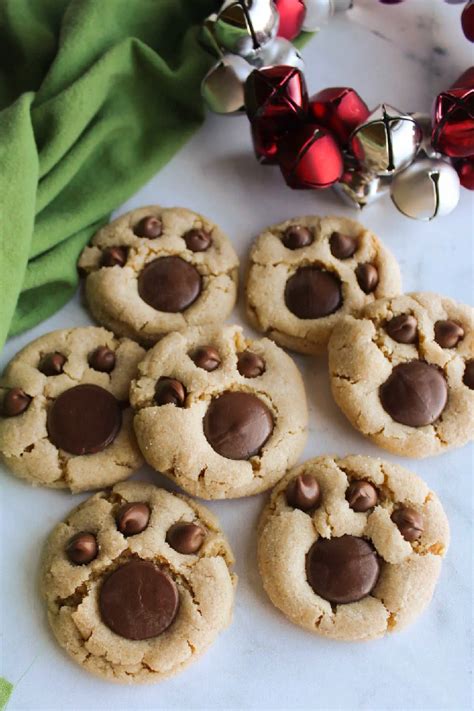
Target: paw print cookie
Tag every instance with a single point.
(221, 415)
(402, 372)
(307, 272)
(351, 548)
(137, 583)
(157, 270)
(64, 414)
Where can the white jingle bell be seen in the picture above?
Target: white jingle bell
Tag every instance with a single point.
(358, 188)
(276, 53)
(427, 189)
(223, 86)
(387, 142)
(318, 12)
(245, 26)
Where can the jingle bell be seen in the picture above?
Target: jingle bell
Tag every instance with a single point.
(453, 118)
(280, 52)
(292, 14)
(465, 170)
(358, 188)
(310, 158)
(223, 86)
(276, 92)
(387, 141)
(318, 12)
(425, 190)
(243, 27)
(339, 109)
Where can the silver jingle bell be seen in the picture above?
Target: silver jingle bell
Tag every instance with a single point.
(358, 188)
(318, 12)
(223, 86)
(424, 122)
(276, 53)
(244, 26)
(427, 189)
(387, 141)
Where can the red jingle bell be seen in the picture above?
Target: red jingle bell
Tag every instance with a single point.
(453, 118)
(339, 109)
(292, 14)
(276, 92)
(467, 20)
(465, 170)
(310, 158)
(265, 138)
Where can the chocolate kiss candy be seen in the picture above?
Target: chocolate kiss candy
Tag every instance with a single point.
(303, 492)
(150, 227)
(409, 522)
(102, 359)
(15, 402)
(207, 358)
(250, 365)
(186, 538)
(169, 284)
(133, 518)
(52, 364)
(313, 293)
(82, 548)
(361, 495)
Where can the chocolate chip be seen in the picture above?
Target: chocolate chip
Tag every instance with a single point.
(368, 277)
(149, 226)
(170, 391)
(237, 425)
(313, 293)
(206, 358)
(186, 538)
(15, 402)
(84, 419)
(52, 364)
(342, 246)
(468, 377)
(102, 359)
(303, 492)
(133, 518)
(409, 522)
(198, 240)
(415, 394)
(82, 548)
(342, 570)
(361, 495)
(448, 333)
(169, 284)
(297, 236)
(138, 600)
(250, 365)
(114, 257)
(403, 328)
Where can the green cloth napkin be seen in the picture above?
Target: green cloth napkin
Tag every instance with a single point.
(95, 96)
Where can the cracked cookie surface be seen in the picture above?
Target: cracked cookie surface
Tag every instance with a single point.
(136, 524)
(351, 548)
(307, 272)
(221, 415)
(155, 270)
(36, 391)
(402, 373)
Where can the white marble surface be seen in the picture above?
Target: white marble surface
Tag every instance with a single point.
(402, 54)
